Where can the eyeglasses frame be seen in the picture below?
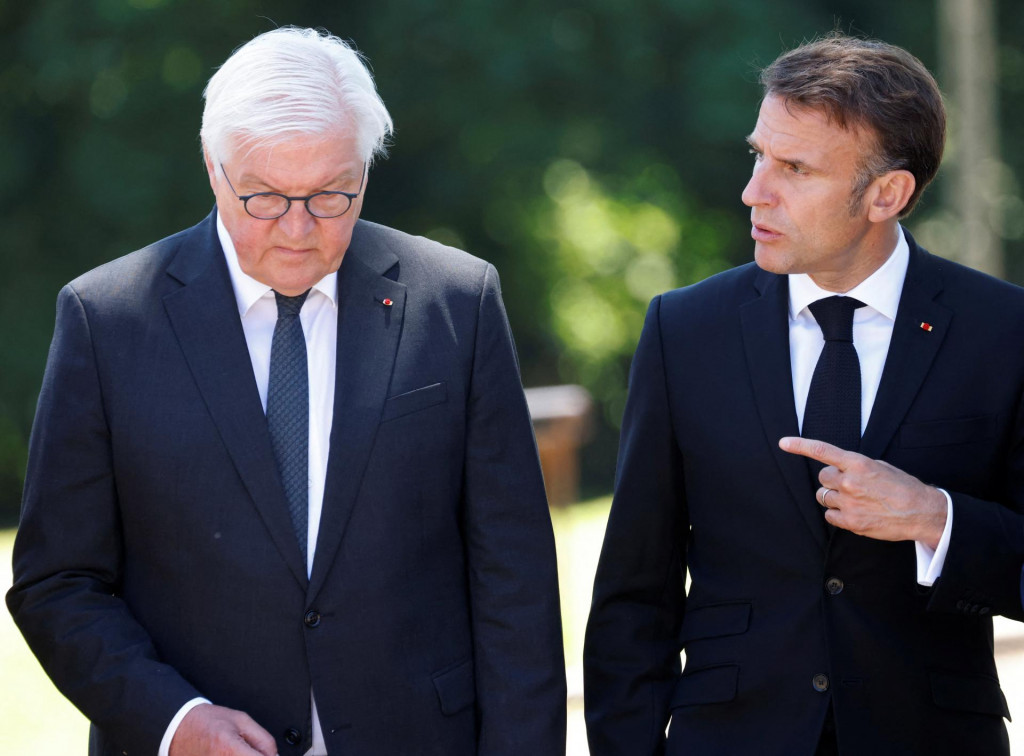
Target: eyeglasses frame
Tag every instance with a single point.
(305, 200)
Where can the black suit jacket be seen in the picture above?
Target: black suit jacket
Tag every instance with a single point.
(156, 560)
(783, 618)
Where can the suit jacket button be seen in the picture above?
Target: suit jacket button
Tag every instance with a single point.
(292, 736)
(312, 618)
(961, 605)
(820, 682)
(834, 586)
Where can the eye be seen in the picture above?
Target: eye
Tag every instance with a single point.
(796, 168)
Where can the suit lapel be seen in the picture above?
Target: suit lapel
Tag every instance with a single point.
(368, 336)
(765, 326)
(205, 319)
(912, 350)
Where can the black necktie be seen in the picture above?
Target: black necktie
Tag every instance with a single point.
(288, 409)
(832, 412)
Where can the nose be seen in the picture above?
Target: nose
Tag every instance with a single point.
(757, 192)
(297, 222)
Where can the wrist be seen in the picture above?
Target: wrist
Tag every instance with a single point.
(933, 517)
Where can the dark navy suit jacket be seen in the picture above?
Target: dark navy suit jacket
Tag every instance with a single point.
(156, 561)
(783, 618)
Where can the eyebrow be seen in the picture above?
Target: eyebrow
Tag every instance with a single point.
(251, 179)
(749, 139)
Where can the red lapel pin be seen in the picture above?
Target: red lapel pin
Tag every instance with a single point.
(388, 303)
(926, 327)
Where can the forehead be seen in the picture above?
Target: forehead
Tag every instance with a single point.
(785, 127)
(311, 160)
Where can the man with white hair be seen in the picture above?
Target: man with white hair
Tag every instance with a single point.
(283, 494)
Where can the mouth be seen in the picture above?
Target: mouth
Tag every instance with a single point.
(762, 233)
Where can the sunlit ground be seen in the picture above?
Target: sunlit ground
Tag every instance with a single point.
(35, 720)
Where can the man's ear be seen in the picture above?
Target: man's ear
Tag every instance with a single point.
(211, 169)
(889, 194)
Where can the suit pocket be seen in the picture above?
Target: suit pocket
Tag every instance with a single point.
(707, 685)
(414, 401)
(714, 621)
(961, 691)
(965, 430)
(456, 687)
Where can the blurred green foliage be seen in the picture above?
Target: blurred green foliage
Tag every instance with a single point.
(593, 151)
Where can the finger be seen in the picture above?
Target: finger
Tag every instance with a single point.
(252, 750)
(259, 740)
(830, 477)
(836, 518)
(819, 450)
(826, 496)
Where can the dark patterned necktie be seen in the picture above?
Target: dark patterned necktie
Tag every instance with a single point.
(288, 409)
(832, 412)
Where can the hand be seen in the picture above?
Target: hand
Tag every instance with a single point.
(209, 730)
(872, 498)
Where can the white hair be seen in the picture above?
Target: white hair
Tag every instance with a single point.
(293, 82)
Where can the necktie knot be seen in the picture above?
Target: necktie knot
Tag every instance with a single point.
(835, 317)
(289, 306)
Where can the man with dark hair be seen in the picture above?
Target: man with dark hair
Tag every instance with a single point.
(841, 584)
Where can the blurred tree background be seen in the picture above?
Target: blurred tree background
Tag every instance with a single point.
(593, 151)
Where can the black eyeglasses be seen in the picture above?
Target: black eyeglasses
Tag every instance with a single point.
(271, 205)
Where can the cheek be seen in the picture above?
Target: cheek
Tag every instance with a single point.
(335, 242)
(829, 221)
(251, 246)
(814, 215)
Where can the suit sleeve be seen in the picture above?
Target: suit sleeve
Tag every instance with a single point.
(517, 635)
(631, 655)
(982, 571)
(68, 555)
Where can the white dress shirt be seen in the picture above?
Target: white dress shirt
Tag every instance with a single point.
(257, 307)
(872, 332)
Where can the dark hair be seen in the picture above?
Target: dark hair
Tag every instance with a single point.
(867, 84)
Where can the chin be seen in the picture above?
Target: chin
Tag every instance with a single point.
(772, 260)
(292, 285)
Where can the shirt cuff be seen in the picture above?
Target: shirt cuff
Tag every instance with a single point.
(165, 744)
(929, 563)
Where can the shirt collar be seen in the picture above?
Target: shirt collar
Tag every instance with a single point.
(248, 290)
(879, 291)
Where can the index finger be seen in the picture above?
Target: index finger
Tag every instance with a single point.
(819, 450)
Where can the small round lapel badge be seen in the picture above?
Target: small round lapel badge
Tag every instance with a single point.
(386, 302)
